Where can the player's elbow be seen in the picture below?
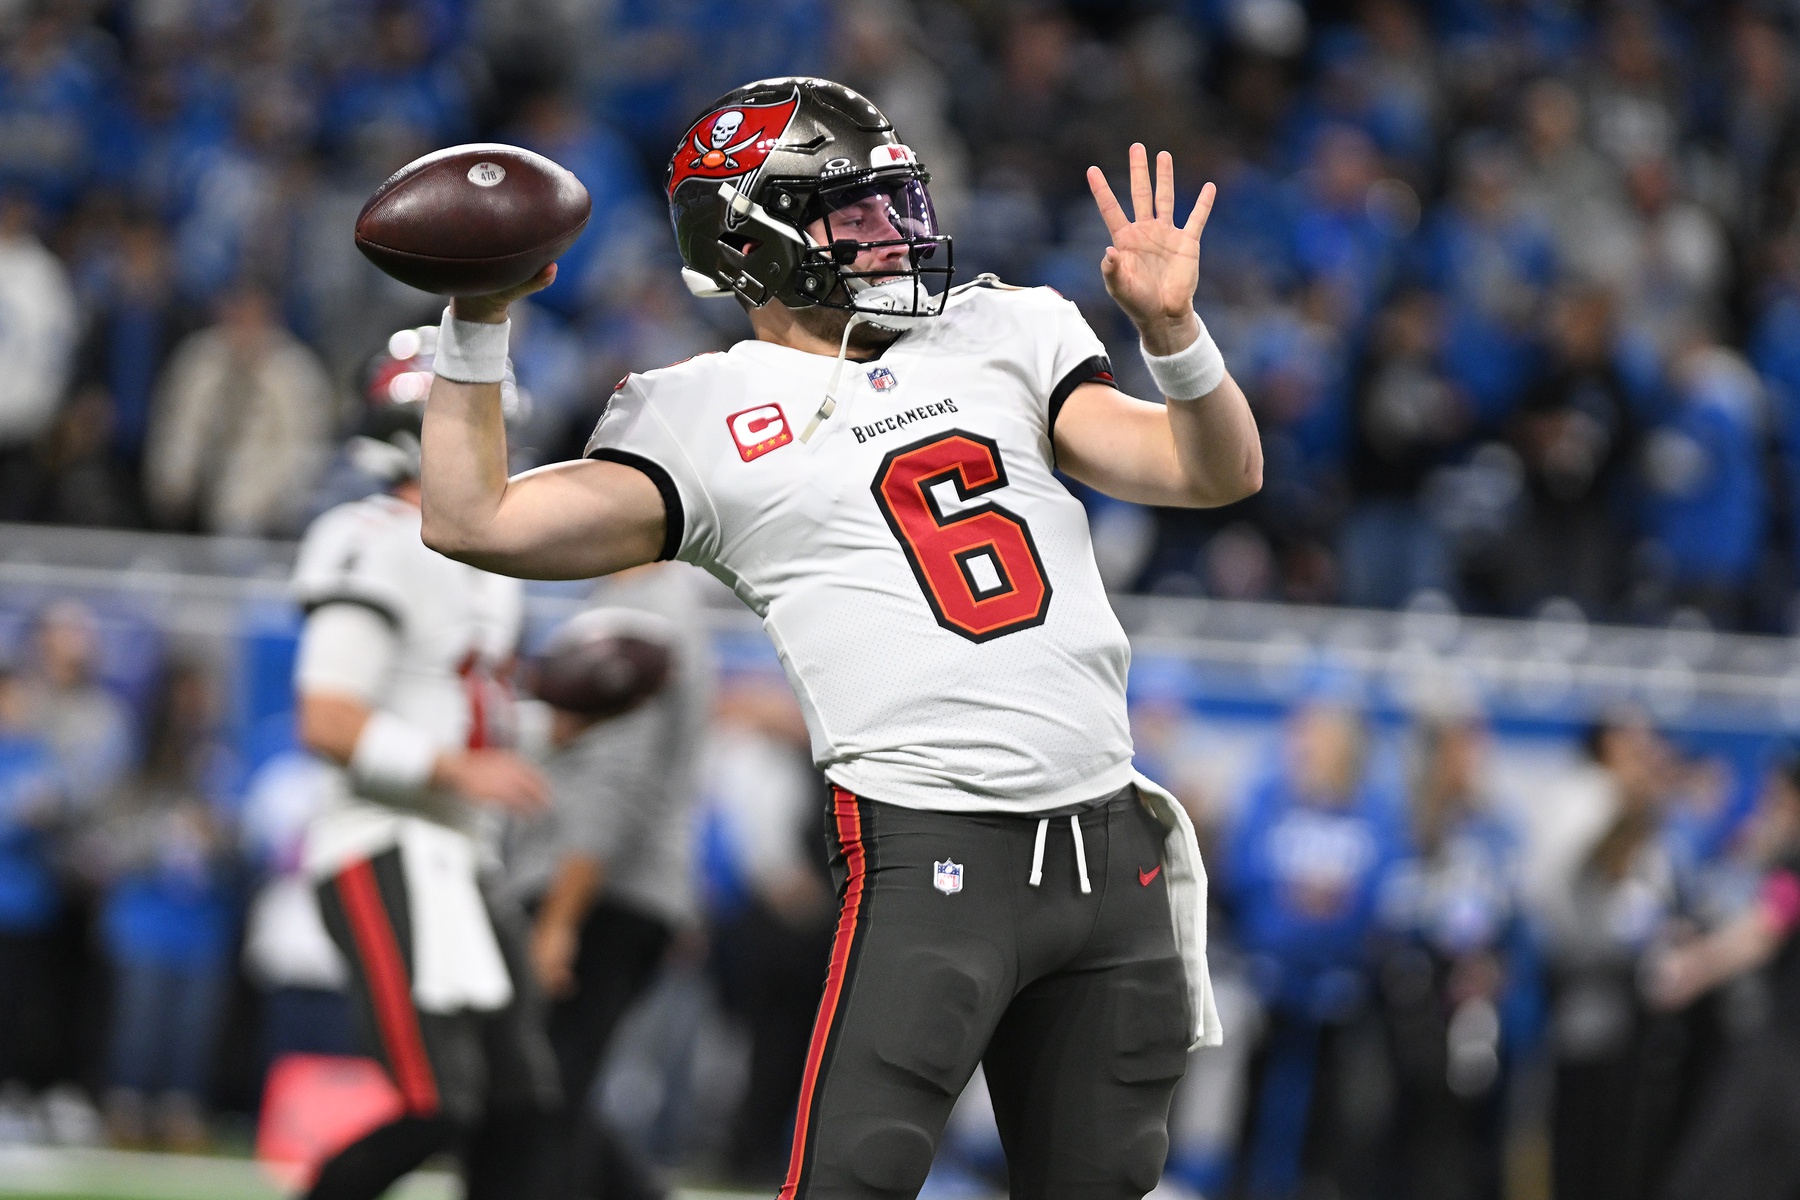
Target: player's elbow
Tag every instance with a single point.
(1247, 479)
(448, 538)
(1220, 488)
(1250, 479)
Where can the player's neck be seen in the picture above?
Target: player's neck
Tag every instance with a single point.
(802, 329)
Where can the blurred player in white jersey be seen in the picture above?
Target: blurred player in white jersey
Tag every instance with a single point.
(873, 474)
(398, 676)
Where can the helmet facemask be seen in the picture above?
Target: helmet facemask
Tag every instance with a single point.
(882, 252)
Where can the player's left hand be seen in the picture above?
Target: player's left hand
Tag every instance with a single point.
(1153, 265)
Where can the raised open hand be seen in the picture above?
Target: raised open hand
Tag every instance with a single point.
(1153, 265)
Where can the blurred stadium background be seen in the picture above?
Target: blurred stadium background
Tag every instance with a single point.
(1485, 701)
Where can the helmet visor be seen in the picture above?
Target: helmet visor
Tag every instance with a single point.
(880, 212)
(884, 233)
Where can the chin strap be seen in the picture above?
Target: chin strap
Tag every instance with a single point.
(828, 404)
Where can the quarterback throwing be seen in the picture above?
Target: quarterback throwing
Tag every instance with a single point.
(874, 474)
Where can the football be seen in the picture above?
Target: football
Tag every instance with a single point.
(599, 672)
(472, 219)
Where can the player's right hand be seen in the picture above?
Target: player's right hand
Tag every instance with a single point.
(497, 777)
(491, 308)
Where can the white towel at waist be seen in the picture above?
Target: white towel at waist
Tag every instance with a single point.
(1187, 906)
(456, 960)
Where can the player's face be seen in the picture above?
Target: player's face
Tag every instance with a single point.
(881, 220)
(870, 219)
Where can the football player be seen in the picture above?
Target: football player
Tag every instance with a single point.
(398, 675)
(873, 473)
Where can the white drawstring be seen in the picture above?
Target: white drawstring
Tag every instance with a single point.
(828, 405)
(1080, 854)
(1037, 853)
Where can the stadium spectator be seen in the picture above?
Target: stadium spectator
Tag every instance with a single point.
(1294, 356)
(1491, 259)
(1742, 1143)
(1674, 270)
(1459, 983)
(87, 727)
(1707, 513)
(169, 918)
(134, 321)
(1339, 237)
(37, 341)
(30, 898)
(1634, 96)
(1041, 133)
(240, 424)
(85, 483)
(1611, 1115)
(1575, 190)
(1301, 873)
(1408, 418)
(54, 76)
(1576, 435)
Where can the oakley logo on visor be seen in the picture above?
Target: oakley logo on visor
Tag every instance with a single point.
(759, 430)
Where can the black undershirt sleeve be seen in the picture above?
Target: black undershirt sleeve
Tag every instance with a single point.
(313, 604)
(1097, 369)
(674, 522)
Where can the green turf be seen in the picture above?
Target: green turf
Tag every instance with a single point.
(43, 1173)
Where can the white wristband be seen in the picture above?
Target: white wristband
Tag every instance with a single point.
(393, 758)
(1187, 374)
(471, 351)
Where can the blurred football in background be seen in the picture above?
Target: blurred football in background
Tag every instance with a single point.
(472, 219)
(603, 663)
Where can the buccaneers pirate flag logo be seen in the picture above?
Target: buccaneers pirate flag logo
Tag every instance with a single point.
(729, 142)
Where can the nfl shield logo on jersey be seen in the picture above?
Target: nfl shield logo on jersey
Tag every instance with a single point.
(946, 877)
(882, 379)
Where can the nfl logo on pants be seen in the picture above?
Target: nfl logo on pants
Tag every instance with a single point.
(946, 877)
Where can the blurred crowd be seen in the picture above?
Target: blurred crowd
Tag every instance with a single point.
(1441, 977)
(1512, 284)
(1437, 988)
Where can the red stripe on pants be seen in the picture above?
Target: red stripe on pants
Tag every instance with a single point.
(390, 989)
(849, 832)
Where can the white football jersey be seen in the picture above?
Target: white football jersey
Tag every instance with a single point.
(457, 626)
(928, 583)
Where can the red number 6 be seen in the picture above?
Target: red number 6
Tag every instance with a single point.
(978, 567)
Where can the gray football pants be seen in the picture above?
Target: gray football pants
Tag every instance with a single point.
(947, 954)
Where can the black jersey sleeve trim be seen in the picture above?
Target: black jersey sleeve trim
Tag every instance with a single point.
(674, 519)
(315, 603)
(1097, 369)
